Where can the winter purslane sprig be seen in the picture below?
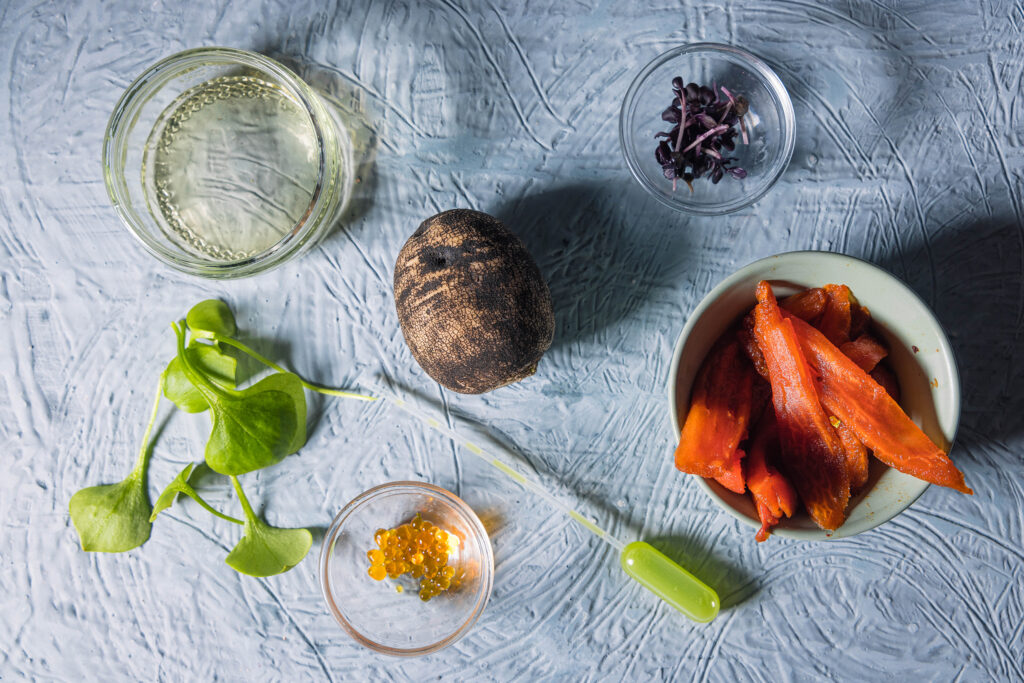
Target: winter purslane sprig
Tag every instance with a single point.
(251, 428)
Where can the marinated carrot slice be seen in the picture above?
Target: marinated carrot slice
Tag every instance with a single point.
(887, 380)
(718, 415)
(859, 401)
(745, 336)
(772, 492)
(761, 399)
(807, 305)
(860, 319)
(813, 456)
(732, 478)
(856, 454)
(866, 351)
(768, 520)
(835, 319)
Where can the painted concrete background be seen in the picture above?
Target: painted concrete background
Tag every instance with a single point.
(909, 154)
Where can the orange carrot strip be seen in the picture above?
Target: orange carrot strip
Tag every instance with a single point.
(857, 400)
(807, 304)
(887, 380)
(718, 416)
(732, 478)
(761, 399)
(813, 456)
(835, 320)
(772, 492)
(865, 351)
(860, 319)
(768, 520)
(745, 336)
(856, 455)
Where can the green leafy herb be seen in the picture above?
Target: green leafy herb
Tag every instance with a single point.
(253, 428)
(211, 361)
(265, 550)
(211, 318)
(115, 518)
(180, 485)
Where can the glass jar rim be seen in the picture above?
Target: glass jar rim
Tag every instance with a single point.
(125, 114)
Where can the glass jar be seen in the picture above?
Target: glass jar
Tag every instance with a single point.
(223, 163)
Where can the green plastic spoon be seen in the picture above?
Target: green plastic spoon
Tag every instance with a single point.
(651, 568)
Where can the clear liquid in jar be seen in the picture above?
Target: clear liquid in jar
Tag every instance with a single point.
(231, 167)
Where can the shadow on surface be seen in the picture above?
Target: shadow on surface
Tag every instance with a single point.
(318, 531)
(495, 443)
(971, 275)
(278, 351)
(345, 99)
(492, 518)
(598, 269)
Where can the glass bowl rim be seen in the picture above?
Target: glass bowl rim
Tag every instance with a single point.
(463, 509)
(780, 97)
(126, 112)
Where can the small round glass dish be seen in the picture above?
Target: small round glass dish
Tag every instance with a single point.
(769, 122)
(224, 164)
(374, 612)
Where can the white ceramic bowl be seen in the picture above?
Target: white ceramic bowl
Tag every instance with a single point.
(919, 354)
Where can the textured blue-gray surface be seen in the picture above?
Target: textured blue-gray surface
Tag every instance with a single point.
(909, 154)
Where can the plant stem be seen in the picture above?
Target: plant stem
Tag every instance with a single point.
(194, 495)
(682, 125)
(249, 514)
(145, 452)
(271, 364)
(714, 131)
(199, 380)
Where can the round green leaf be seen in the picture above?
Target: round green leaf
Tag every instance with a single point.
(211, 317)
(112, 518)
(265, 550)
(209, 359)
(256, 427)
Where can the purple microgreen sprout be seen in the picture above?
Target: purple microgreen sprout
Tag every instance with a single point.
(704, 136)
(682, 125)
(704, 130)
(725, 112)
(742, 106)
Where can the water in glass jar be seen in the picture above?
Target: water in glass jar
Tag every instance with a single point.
(231, 167)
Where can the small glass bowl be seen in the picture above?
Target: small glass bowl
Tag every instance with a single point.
(158, 102)
(770, 125)
(374, 612)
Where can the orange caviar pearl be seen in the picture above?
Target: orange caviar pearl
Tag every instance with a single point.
(418, 548)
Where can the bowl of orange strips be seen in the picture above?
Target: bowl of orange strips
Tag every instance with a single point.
(814, 396)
